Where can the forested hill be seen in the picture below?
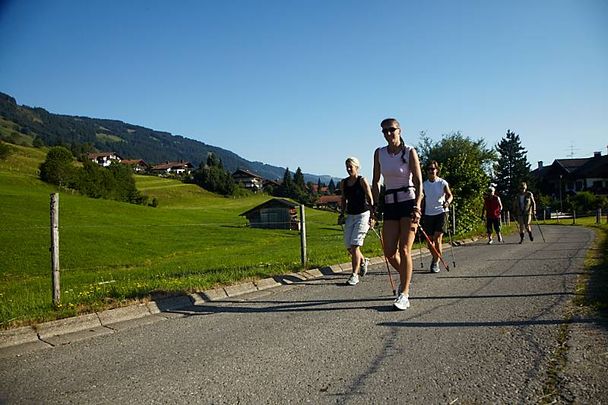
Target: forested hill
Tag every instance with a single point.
(127, 140)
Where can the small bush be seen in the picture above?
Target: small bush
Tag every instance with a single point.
(5, 151)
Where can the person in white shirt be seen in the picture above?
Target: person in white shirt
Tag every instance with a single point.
(399, 166)
(437, 198)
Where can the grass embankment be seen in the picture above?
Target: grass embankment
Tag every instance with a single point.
(112, 252)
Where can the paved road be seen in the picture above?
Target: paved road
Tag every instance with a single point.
(486, 332)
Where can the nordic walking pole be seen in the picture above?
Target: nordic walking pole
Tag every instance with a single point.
(388, 269)
(451, 243)
(539, 229)
(420, 251)
(434, 249)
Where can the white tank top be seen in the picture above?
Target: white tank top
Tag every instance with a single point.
(434, 196)
(396, 174)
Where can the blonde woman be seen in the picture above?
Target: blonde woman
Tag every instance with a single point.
(356, 202)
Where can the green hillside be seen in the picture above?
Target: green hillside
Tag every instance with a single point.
(112, 252)
(20, 124)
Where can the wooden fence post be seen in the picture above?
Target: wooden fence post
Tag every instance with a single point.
(55, 248)
(573, 217)
(598, 216)
(303, 235)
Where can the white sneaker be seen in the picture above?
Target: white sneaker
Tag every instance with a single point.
(490, 242)
(402, 302)
(364, 266)
(435, 267)
(354, 279)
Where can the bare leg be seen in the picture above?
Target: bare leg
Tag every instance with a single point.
(407, 235)
(390, 236)
(356, 258)
(438, 242)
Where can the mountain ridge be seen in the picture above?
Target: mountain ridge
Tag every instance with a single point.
(131, 141)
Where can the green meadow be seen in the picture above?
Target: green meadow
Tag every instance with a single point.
(112, 253)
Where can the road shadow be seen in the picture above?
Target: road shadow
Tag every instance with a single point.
(379, 304)
(486, 324)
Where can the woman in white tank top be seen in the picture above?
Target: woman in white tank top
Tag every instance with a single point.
(400, 168)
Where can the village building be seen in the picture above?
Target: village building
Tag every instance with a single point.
(248, 180)
(569, 176)
(104, 159)
(137, 165)
(172, 168)
(276, 213)
(331, 202)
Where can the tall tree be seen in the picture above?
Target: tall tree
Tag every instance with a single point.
(287, 187)
(301, 193)
(213, 177)
(465, 164)
(332, 186)
(58, 167)
(512, 166)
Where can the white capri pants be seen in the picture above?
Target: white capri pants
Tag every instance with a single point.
(355, 229)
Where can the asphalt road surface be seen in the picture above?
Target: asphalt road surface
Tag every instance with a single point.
(488, 331)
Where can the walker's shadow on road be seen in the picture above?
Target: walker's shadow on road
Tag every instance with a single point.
(380, 304)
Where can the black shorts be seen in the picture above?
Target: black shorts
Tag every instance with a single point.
(396, 211)
(435, 223)
(492, 222)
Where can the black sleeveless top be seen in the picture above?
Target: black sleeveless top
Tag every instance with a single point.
(355, 197)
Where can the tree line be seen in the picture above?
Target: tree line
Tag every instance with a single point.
(114, 182)
(468, 165)
(212, 176)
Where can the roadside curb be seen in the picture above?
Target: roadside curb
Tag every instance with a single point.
(83, 326)
(58, 332)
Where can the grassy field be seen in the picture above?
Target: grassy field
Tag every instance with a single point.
(112, 252)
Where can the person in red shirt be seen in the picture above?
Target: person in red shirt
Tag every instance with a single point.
(492, 206)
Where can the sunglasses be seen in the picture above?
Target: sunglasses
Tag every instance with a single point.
(431, 168)
(387, 130)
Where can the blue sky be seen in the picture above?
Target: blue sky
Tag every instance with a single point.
(306, 83)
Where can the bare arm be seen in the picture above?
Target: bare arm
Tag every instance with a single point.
(417, 180)
(376, 177)
(449, 197)
(368, 191)
(416, 176)
(533, 203)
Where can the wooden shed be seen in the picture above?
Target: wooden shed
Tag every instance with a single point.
(276, 213)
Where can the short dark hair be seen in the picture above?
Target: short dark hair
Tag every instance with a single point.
(390, 121)
(433, 163)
